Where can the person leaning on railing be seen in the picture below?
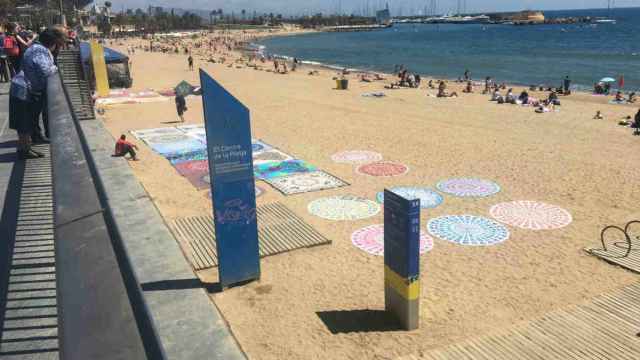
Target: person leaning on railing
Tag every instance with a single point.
(38, 64)
(28, 90)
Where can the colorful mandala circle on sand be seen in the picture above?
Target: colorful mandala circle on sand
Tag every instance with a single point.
(167, 139)
(371, 240)
(468, 187)
(383, 168)
(468, 230)
(194, 166)
(356, 157)
(344, 207)
(428, 198)
(531, 215)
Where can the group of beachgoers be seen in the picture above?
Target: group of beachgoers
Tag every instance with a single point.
(28, 90)
(14, 42)
(225, 43)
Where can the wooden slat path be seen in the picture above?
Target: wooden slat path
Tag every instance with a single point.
(605, 328)
(279, 230)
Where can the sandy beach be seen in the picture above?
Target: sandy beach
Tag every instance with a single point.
(565, 158)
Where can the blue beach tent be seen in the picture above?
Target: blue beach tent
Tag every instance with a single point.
(117, 66)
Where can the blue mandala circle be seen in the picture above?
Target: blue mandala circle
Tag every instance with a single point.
(468, 230)
(429, 199)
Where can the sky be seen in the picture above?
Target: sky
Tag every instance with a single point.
(398, 7)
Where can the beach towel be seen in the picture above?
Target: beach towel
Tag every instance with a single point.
(374, 94)
(282, 168)
(618, 102)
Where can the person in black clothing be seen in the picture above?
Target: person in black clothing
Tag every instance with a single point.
(181, 106)
(566, 85)
(190, 60)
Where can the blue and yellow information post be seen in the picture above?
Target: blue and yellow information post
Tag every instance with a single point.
(402, 259)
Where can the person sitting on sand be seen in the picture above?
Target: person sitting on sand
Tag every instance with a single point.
(378, 77)
(469, 88)
(598, 115)
(430, 84)
(598, 88)
(553, 99)
(411, 80)
(417, 80)
(364, 78)
(619, 97)
(510, 98)
(496, 95)
(123, 147)
(442, 91)
(632, 98)
(524, 97)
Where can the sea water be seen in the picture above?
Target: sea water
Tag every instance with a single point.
(526, 55)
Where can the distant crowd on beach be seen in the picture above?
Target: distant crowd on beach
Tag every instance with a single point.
(223, 46)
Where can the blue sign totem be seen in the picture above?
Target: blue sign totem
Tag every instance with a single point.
(227, 124)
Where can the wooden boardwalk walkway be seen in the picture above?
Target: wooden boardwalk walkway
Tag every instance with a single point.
(605, 328)
(279, 230)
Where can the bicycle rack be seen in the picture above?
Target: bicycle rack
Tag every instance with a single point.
(628, 237)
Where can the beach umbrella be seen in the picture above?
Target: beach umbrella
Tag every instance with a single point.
(607, 80)
(184, 88)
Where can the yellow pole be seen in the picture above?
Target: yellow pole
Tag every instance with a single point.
(99, 69)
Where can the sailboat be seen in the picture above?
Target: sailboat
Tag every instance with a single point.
(608, 19)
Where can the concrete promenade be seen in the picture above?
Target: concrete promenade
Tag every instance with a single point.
(166, 294)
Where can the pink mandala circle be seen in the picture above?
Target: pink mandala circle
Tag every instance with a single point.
(371, 240)
(356, 157)
(531, 215)
(195, 166)
(383, 168)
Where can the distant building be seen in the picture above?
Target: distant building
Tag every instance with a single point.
(383, 16)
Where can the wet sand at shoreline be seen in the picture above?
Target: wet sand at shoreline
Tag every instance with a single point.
(565, 158)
